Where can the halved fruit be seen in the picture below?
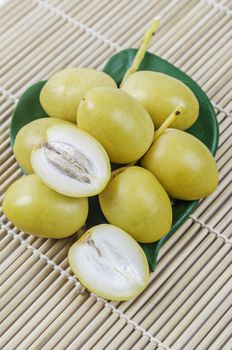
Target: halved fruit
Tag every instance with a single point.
(29, 136)
(110, 263)
(71, 162)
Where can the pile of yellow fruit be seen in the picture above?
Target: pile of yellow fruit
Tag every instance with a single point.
(67, 158)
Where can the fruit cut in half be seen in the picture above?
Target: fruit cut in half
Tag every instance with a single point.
(109, 263)
(71, 162)
(29, 136)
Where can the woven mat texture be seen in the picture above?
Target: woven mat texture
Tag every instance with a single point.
(188, 303)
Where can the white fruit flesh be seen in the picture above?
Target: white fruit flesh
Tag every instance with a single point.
(71, 162)
(110, 263)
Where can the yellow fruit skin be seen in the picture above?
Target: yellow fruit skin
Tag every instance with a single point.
(160, 94)
(38, 210)
(63, 92)
(28, 137)
(118, 122)
(183, 165)
(135, 201)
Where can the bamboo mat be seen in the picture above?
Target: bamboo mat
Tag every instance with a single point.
(188, 302)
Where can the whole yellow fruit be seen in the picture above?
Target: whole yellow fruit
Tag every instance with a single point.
(29, 136)
(160, 94)
(118, 122)
(62, 93)
(35, 208)
(135, 201)
(183, 165)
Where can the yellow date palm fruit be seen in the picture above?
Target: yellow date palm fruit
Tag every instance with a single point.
(71, 162)
(118, 122)
(30, 135)
(135, 201)
(183, 165)
(159, 94)
(35, 208)
(62, 93)
(110, 263)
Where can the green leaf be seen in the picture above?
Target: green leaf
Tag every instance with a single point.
(205, 129)
(27, 109)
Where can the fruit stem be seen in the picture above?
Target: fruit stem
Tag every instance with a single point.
(177, 111)
(143, 47)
